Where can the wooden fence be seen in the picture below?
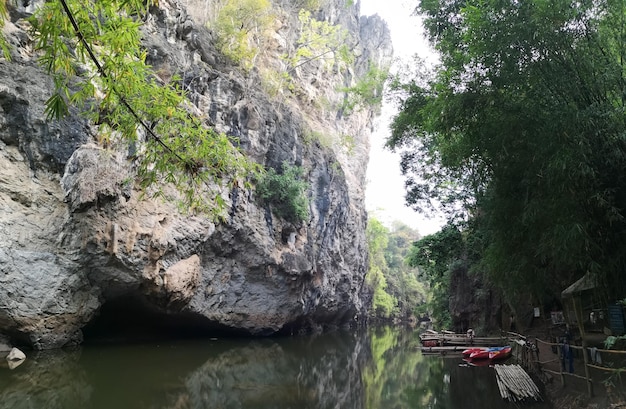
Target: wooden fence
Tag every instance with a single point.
(527, 353)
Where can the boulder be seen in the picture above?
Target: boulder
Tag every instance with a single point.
(16, 355)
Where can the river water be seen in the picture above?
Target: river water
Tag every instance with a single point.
(378, 368)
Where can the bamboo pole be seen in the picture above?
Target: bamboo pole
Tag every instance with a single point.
(604, 368)
(581, 328)
(561, 363)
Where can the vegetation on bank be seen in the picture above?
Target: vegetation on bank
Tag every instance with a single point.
(519, 135)
(435, 256)
(397, 291)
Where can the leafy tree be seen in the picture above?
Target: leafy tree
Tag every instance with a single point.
(436, 256)
(285, 192)
(242, 27)
(522, 127)
(93, 52)
(319, 41)
(368, 90)
(402, 279)
(383, 304)
(398, 293)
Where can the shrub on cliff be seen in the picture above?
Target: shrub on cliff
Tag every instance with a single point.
(367, 92)
(285, 192)
(243, 29)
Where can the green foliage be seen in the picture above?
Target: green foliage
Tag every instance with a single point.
(436, 255)
(326, 140)
(310, 5)
(273, 82)
(319, 41)
(348, 143)
(285, 192)
(93, 52)
(611, 341)
(383, 304)
(397, 291)
(382, 343)
(522, 128)
(242, 28)
(368, 90)
(3, 43)
(398, 375)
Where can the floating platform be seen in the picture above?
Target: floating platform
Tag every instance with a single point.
(439, 339)
(515, 384)
(444, 349)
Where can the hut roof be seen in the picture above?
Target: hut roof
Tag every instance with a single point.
(586, 282)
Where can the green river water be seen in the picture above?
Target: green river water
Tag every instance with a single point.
(378, 368)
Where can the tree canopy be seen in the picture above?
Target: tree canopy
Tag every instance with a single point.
(522, 128)
(397, 291)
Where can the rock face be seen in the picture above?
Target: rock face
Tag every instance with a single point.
(473, 303)
(75, 237)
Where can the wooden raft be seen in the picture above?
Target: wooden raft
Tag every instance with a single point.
(515, 384)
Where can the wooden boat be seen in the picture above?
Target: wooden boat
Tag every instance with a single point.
(432, 338)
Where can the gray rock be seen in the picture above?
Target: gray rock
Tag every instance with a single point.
(16, 355)
(75, 236)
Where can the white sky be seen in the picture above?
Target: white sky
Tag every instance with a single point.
(384, 195)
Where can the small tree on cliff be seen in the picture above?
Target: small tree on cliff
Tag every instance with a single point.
(92, 50)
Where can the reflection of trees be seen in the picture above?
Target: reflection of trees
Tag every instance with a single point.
(383, 368)
(398, 375)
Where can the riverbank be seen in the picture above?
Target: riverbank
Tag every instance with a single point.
(574, 396)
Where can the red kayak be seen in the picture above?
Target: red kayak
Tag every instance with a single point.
(468, 352)
(481, 354)
(501, 353)
(488, 353)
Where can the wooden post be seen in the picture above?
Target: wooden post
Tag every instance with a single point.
(581, 328)
(561, 361)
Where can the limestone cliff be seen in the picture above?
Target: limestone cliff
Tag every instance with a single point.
(78, 240)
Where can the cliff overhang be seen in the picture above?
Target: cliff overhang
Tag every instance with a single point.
(78, 241)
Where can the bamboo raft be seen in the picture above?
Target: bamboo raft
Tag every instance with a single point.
(515, 384)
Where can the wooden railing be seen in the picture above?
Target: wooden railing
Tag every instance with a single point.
(528, 355)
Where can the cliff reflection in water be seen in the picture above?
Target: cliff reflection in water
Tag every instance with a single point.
(381, 369)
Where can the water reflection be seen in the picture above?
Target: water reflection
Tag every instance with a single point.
(379, 369)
